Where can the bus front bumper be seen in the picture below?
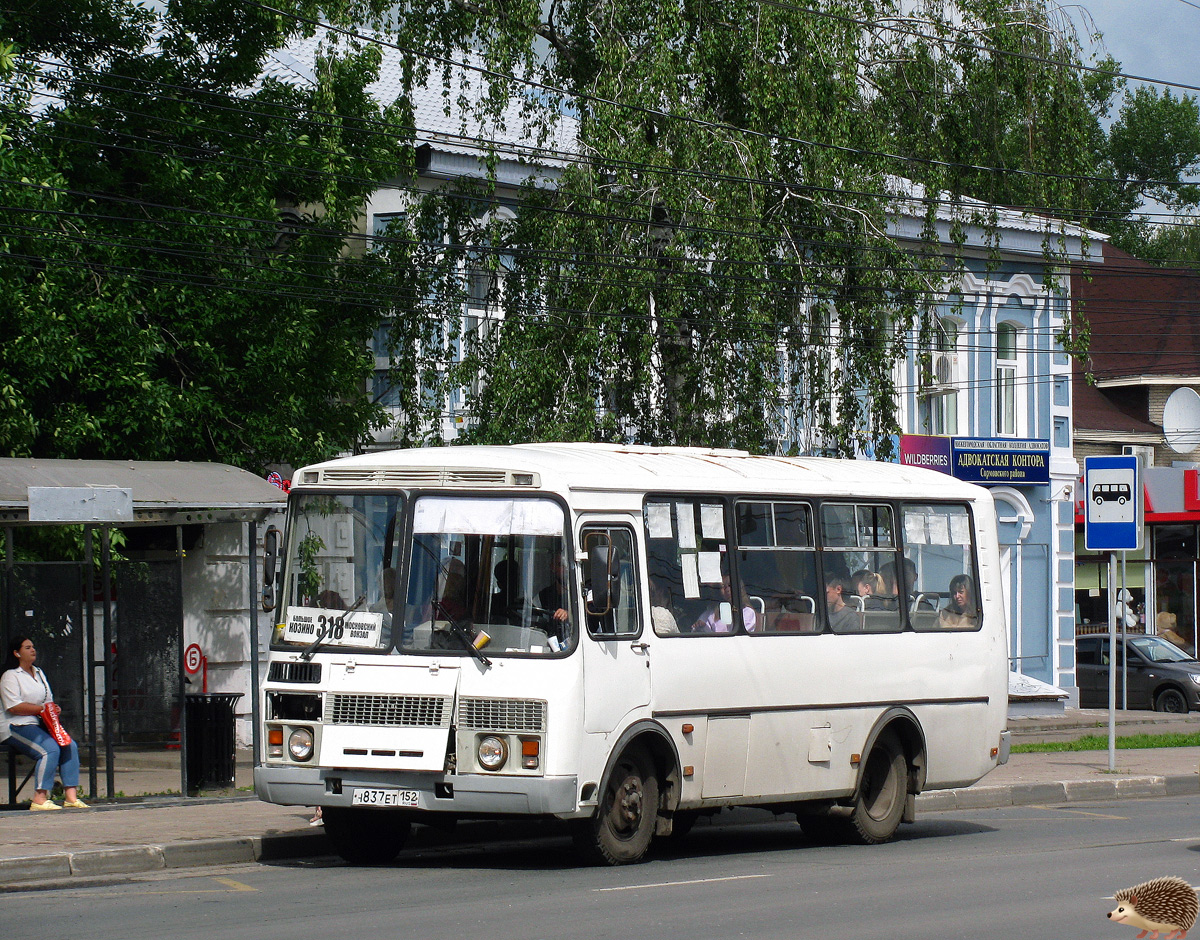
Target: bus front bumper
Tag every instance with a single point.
(435, 793)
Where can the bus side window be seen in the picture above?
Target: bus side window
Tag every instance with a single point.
(939, 547)
(610, 587)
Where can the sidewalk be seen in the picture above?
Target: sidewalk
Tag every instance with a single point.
(173, 832)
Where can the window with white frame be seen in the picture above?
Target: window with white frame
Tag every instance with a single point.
(1006, 379)
(938, 412)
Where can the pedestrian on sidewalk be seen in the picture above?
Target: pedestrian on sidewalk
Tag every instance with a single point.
(24, 695)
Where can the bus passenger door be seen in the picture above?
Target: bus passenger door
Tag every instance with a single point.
(616, 663)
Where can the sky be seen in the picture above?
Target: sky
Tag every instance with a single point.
(1153, 38)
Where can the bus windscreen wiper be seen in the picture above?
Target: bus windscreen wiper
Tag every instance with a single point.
(325, 630)
(460, 633)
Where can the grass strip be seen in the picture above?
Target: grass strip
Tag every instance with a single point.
(1097, 742)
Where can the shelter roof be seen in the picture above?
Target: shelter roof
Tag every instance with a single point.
(163, 492)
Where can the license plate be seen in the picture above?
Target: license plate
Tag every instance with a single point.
(383, 797)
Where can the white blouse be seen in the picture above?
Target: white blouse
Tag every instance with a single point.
(16, 686)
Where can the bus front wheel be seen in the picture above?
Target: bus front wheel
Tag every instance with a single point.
(620, 831)
(365, 836)
(881, 795)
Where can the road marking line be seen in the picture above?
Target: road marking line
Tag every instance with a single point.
(236, 885)
(1079, 812)
(676, 884)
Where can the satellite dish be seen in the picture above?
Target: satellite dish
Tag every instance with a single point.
(1181, 420)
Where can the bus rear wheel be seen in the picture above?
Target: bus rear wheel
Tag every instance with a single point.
(879, 805)
(620, 831)
(365, 836)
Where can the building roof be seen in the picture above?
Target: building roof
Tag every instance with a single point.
(1145, 320)
(1092, 410)
(163, 492)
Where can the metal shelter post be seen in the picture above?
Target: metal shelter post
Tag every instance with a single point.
(89, 618)
(182, 671)
(254, 741)
(106, 619)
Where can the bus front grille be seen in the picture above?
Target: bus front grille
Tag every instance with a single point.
(294, 672)
(502, 714)
(410, 711)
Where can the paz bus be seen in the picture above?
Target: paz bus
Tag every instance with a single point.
(627, 638)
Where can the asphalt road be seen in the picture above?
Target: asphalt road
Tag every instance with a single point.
(997, 873)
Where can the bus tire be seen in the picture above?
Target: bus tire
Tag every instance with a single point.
(620, 831)
(879, 805)
(365, 836)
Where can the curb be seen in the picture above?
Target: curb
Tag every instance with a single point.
(1075, 791)
(35, 871)
(30, 871)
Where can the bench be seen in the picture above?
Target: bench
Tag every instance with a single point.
(15, 787)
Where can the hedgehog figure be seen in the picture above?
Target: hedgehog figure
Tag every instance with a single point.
(1164, 905)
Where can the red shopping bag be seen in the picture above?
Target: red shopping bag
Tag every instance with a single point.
(50, 713)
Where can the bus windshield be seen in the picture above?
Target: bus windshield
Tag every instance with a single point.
(489, 574)
(341, 571)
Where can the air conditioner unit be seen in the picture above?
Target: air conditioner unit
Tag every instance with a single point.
(945, 368)
(1144, 451)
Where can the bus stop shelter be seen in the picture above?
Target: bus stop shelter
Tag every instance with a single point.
(68, 606)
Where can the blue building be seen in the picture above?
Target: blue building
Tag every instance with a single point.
(990, 401)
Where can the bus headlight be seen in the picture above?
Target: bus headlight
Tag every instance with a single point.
(300, 744)
(492, 751)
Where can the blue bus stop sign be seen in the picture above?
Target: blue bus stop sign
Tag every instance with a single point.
(1114, 514)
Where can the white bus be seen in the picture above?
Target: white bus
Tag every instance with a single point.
(627, 638)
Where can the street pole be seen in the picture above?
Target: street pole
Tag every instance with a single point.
(1112, 661)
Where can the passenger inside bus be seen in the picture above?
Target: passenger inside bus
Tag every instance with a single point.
(711, 620)
(330, 600)
(869, 586)
(506, 601)
(892, 589)
(961, 612)
(842, 618)
(661, 617)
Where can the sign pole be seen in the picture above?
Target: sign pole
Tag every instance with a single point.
(1125, 598)
(1112, 661)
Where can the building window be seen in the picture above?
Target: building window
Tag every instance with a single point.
(939, 383)
(379, 225)
(1006, 379)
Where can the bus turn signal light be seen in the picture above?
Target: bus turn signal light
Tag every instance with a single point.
(531, 749)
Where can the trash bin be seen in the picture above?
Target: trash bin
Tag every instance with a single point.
(210, 743)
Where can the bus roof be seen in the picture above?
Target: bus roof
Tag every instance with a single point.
(623, 467)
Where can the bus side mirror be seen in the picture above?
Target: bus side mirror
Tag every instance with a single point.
(599, 569)
(270, 562)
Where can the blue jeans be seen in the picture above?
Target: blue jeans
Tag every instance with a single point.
(36, 742)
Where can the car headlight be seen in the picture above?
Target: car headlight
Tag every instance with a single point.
(492, 751)
(300, 744)
(1195, 678)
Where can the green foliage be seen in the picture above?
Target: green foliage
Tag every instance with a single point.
(716, 264)
(1155, 144)
(173, 254)
(1174, 243)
